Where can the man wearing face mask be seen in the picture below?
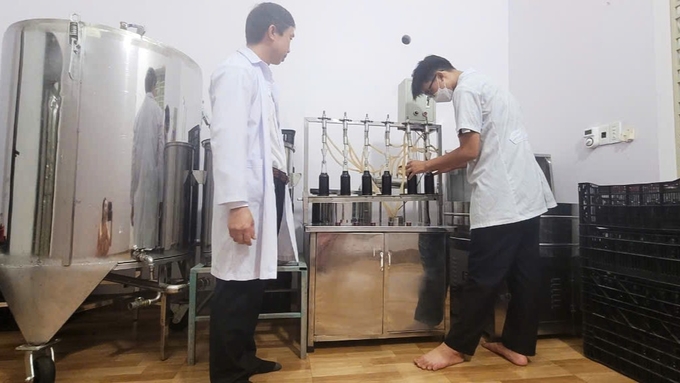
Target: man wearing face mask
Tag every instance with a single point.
(509, 193)
(253, 224)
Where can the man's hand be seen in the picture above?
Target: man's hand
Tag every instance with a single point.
(415, 167)
(241, 226)
(470, 146)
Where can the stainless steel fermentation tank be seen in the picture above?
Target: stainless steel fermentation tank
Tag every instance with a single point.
(95, 123)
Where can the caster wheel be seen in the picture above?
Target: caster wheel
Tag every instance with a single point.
(44, 370)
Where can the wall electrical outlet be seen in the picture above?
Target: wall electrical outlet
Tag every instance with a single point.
(628, 135)
(615, 132)
(608, 134)
(595, 137)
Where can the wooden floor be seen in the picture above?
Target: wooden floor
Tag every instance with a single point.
(103, 346)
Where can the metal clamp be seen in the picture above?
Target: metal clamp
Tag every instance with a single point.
(140, 28)
(74, 32)
(137, 252)
(142, 255)
(204, 118)
(74, 41)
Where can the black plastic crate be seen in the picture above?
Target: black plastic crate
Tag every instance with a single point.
(658, 244)
(647, 254)
(655, 298)
(641, 217)
(666, 351)
(651, 194)
(632, 325)
(654, 354)
(629, 356)
(637, 265)
(635, 318)
(647, 206)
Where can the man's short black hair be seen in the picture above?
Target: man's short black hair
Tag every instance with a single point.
(150, 80)
(262, 17)
(425, 72)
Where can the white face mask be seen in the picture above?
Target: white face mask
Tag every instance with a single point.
(443, 95)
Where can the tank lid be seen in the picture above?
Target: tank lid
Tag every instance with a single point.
(107, 28)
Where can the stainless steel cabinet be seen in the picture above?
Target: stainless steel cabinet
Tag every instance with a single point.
(377, 285)
(415, 282)
(349, 285)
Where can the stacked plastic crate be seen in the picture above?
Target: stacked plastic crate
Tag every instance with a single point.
(630, 250)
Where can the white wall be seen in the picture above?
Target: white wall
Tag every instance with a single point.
(572, 65)
(347, 55)
(582, 63)
(664, 90)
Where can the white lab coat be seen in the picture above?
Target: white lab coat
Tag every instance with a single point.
(147, 172)
(242, 171)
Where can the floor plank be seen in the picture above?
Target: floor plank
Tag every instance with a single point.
(106, 346)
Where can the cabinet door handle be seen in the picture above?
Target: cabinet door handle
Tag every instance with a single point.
(382, 261)
(389, 259)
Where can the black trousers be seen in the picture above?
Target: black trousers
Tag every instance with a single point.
(500, 253)
(235, 307)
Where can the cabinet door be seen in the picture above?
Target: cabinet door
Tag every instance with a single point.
(348, 294)
(415, 285)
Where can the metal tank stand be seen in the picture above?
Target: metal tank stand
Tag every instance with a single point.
(195, 307)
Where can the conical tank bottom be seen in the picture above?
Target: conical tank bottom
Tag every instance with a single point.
(42, 294)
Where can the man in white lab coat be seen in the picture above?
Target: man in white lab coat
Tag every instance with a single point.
(147, 167)
(509, 193)
(252, 218)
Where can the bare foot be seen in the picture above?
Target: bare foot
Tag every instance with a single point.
(441, 357)
(511, 356)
